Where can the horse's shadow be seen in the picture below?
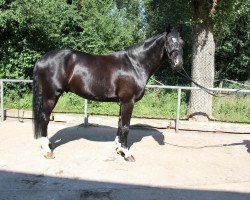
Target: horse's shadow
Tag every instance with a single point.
(247, 144)
(244, 142)
(103, 134)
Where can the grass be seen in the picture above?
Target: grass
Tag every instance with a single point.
(155, 104)
(232, 108)
(152, 105)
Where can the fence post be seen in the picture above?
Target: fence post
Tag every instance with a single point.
(85, 113)
(178, 111)
(1, 109)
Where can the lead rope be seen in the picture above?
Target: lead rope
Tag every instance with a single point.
(207, 90)
(157, 81)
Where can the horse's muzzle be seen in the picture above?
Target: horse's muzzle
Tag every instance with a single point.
(177, 63)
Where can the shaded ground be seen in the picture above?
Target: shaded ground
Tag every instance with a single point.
(188, 165)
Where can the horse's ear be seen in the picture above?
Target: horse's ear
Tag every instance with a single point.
(168, 28)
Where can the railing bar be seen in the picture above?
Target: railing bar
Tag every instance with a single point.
(179, 88)
(196, 88)
(156, 86)
(14, 80)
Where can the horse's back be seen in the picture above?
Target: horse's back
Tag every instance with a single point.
(65, 60)
(53, 59)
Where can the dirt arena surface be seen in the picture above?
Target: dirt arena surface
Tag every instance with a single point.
(190, 165)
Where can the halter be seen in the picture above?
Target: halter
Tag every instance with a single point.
(176, 48)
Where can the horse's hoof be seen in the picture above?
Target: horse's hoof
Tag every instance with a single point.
(49, 155)
(130, 158)
(120, 153)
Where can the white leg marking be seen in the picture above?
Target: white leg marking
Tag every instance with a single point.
(45, 144)
(125, 151)
(118, 144)
(121, 149)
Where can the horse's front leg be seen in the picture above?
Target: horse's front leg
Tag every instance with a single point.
(126, 110)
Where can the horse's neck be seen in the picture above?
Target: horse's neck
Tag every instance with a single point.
(150, 54)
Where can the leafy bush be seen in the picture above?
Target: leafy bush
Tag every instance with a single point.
(29, 28)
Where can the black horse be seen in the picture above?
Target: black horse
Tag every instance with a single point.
(118, 77)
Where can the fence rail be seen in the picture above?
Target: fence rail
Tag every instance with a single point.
(178, 88)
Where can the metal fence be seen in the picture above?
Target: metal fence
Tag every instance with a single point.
(178, 88)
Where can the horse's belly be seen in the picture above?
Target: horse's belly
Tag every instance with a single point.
(98, 91)
(102, 92)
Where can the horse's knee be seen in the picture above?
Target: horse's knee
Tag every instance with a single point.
(125, 129)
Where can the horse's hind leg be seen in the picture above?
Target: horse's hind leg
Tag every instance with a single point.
(48, 105)
(123, 130)
(118, 130)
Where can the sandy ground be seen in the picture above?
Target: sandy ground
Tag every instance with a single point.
(188, 165)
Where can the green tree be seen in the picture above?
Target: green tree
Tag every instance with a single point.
(108, 27)
(203, 66)
(196, 14)
(28, 31)
(232, 37)
(200, 102)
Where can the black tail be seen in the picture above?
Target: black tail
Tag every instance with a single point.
(37, 107)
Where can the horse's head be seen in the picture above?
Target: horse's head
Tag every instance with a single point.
(174, 48)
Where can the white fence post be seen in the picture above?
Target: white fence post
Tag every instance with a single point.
(178, 111)
(85, 112)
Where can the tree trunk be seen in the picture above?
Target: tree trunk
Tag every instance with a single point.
(200, 102)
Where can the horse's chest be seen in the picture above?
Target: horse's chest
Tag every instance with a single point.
(128, 88)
